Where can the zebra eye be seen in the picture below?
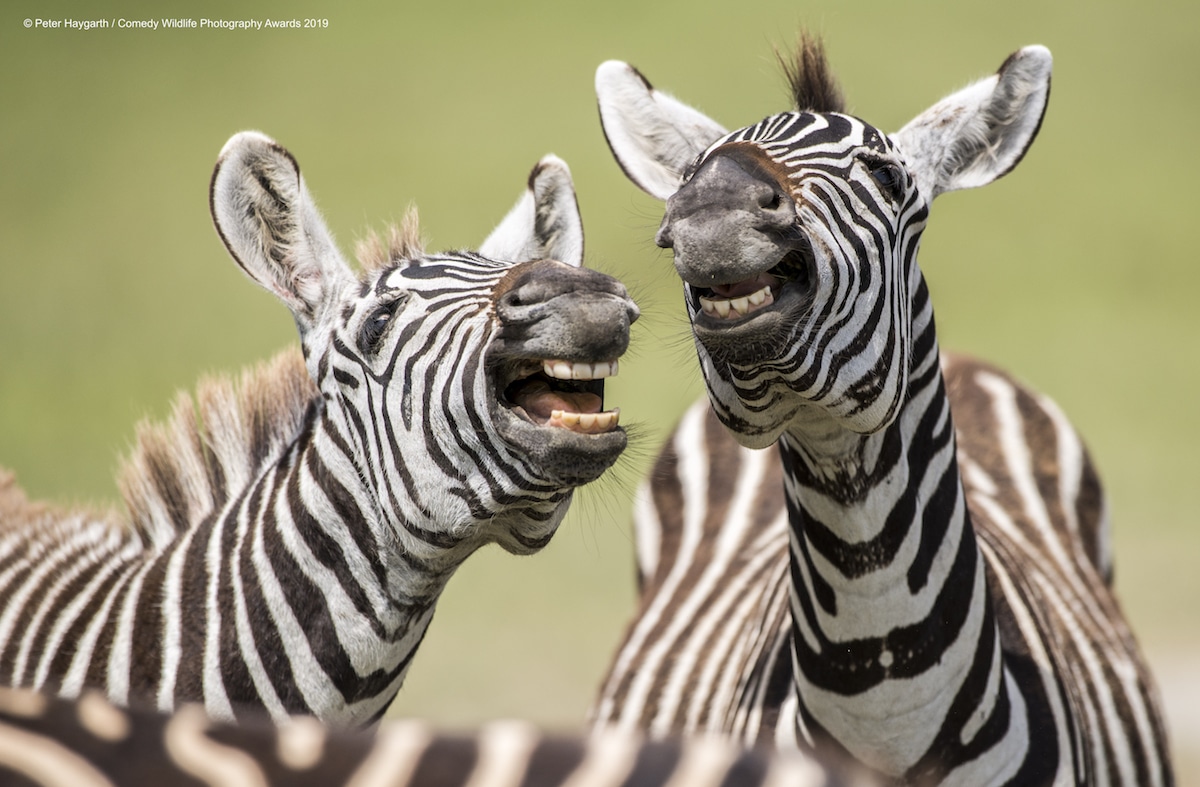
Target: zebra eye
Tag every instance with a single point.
(889, 178)
(375, 326)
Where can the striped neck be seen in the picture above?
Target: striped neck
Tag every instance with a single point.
(314, 575)
(889, 605)
(397, 556)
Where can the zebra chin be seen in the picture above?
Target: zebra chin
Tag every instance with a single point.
(765, 335)
(564, 457)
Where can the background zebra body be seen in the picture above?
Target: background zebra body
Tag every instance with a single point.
(944, 610)
(708, 649)
(288, 538)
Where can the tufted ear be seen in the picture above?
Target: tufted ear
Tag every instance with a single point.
(653, 136)
(544, 224)
(980, 133)
(268, 222)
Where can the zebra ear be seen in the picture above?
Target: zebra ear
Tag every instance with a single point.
(980, 133)
(652, 136)
(266, 219)
(545, 223)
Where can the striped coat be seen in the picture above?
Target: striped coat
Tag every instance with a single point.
(920, 576)
(287, 537)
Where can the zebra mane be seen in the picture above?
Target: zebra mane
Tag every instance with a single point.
(17, 511)
(183, 469)
(215, 441)
(810, 78)
(403, 243)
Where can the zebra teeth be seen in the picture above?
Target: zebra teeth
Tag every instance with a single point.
(570, 370)
(586, 423)
(735, 308)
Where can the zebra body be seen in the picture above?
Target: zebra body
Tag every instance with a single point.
(90, 742)
(929, 593)
(288, 537)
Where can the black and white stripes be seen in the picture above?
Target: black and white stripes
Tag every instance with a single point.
(91, 743)
(948, 615)
(288, 536)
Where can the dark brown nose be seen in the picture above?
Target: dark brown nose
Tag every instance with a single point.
(548, 309)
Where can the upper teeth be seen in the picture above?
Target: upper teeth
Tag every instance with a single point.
(732, 308)
(568, 370)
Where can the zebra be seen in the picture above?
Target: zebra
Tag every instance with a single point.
(920, 576)
(287, 537)
(90, 742)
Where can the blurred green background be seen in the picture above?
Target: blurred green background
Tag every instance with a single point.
(1077, 272)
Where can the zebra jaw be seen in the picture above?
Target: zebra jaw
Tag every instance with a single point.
(742, 298)
(587, 423)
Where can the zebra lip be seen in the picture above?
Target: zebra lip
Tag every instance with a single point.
(731, 302)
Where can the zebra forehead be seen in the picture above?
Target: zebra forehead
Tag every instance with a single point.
(779, 146)
(750, 155)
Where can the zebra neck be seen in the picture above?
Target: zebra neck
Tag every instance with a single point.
(894, 640)
(396, 555)
(357, 607)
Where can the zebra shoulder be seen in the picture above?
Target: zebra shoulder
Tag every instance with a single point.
(704, 492)
(1017, 448)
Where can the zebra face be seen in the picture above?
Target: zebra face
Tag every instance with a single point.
(465, 389)
(796, 237)
(491, 372)
(790, 237)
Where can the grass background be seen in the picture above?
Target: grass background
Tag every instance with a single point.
(1078, 272)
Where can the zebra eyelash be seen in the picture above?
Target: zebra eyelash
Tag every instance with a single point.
(374, 328)
(889, 175)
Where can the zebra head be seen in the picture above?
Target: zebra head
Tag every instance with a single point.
(466, 388)
(796, 237)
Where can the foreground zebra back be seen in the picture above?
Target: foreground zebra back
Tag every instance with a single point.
(92, 743)
(942, 611)
(288, 536)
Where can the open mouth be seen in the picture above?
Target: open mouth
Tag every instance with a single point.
(737, 300)
(561, 394)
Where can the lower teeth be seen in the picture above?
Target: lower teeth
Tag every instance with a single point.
(589, 422)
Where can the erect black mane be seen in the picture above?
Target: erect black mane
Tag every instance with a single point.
(810, 79)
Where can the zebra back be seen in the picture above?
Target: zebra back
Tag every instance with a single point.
(708, 648)
(91, 743)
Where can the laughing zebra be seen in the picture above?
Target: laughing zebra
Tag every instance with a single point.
(929, 594)
(287, 539)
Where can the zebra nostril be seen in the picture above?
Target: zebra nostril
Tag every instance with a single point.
(769, 198)
(663, 238)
